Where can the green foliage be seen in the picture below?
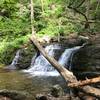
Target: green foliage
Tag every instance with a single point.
(53, 17)
(8, 49)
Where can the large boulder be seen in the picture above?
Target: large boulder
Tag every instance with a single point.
(22, 59)
(87, 59)
(57, 91)
(13, 95)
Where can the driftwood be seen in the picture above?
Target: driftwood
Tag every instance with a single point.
(85, 82)
(67, 75)
(90, 91)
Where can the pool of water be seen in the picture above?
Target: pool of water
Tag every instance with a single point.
(23, 82)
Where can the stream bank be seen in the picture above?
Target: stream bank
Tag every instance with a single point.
(16, 80)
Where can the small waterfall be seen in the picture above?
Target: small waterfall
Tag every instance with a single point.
(41, 63)
(66, 57)
(15, 61)
(16, 58)
(42, 67)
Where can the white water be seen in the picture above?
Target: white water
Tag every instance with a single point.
(42, 67)
(41, 63)
(67, 55)
(16, 58)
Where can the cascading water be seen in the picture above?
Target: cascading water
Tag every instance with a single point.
(42, 67)
(16, 58)
(66, 57)
(15, 61)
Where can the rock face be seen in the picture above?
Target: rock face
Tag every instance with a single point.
(57, 91)
(87, 59)
(22, 58)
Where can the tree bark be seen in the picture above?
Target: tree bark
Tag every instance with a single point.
(85, 82)
(90, 91)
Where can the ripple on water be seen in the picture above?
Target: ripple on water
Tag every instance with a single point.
(16, 80)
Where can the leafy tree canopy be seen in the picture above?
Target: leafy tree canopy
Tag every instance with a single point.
(52, 17)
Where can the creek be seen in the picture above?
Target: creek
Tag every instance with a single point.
(40, 76)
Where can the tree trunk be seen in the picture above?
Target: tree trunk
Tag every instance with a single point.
(68, 76)
(42, 6)
(32, 18)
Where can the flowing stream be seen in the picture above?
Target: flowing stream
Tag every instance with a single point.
(23, 83)
(42, 67)
(16, 58)
(41, 75)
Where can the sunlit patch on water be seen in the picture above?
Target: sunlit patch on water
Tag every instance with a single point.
(42, 73)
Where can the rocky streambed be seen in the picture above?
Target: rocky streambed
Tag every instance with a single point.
(16, 85)
(85, 64)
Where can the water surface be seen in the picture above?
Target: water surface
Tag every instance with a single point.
(16, 80)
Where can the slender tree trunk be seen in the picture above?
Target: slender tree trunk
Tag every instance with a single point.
(42, 6)
(87, 25)
(87, 8)
(32, 17)
(59, 27)
(21, 7)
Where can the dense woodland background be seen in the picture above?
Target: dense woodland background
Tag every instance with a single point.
(51, 17)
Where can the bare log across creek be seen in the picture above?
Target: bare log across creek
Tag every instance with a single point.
(66, 74)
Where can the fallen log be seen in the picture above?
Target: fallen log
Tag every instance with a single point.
(85, 82)
(67, 75)
(89, 90)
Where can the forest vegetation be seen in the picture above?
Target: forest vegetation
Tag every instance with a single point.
(51, 18)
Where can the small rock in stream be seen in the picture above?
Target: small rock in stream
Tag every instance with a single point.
(41, 97)
(57, 91)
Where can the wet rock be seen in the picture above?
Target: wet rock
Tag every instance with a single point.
(87, 59)
(41, 97)
(4, 98)
(22, 58)
(57, 91)
(50, 97)
(12, 95)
